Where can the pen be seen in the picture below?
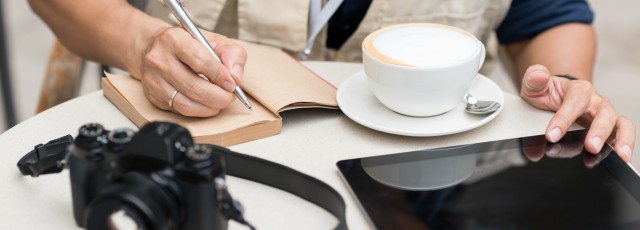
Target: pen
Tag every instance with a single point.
(176, 8)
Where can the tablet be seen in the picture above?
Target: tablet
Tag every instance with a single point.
(523, 183)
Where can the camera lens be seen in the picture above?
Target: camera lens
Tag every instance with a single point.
(135, 200)
(115, 214)
(124, 219)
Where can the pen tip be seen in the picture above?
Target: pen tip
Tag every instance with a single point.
(246, 104)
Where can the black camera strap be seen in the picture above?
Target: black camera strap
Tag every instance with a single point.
(48, 158)
(45, 158)
(290, 180)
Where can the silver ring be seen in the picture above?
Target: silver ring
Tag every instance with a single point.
(173, 95)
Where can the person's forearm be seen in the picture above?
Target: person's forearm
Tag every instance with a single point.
(564, 49)
(109, 32)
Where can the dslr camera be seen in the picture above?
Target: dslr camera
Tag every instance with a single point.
(156, 178)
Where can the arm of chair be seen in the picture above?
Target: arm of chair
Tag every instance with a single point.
(62, 77)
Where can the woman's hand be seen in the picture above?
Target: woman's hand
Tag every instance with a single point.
(173, 60)
(574, 101)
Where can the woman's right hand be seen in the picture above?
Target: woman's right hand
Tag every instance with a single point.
(164, 57)
(173, 60)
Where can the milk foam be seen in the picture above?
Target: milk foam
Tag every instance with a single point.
(425, 46)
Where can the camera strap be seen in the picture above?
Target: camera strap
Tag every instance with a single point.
(289, 180)
(49, 158)
(45, 158)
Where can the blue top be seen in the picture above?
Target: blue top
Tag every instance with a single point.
(525, 19)
(528, 18)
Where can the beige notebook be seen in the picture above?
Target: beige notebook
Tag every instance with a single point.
(273, 82)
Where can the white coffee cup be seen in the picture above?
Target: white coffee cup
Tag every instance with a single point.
(421, 69)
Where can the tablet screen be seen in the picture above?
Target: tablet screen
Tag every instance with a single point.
(524, 183)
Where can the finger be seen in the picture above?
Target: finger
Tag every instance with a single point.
(574, 104)
(180, 77)
(161, 65)
(602, 125)
(184, 105)
(198, 89)
(234, 56)
(163, 73)
(625, 138)
(200, 60)
(187, 107)
(155, 91)
(535, 81)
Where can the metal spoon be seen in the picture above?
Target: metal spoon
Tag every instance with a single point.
(474, 106)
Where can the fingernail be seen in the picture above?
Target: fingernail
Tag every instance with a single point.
(626, 151)
(555, 150)
(536, 72)
(596, 142)
(237, 71)
(228, 86)
(532, 87)
(554, 134)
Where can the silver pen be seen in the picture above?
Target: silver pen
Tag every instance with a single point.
(176, 8)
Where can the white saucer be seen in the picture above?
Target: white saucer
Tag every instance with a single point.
(359, 104)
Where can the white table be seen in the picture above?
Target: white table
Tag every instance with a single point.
(312, 141)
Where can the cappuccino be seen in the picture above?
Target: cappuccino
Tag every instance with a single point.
(421, 45)
(421, 69)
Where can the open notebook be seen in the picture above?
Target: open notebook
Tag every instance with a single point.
(273, 82)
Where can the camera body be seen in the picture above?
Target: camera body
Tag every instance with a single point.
(156, 178)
